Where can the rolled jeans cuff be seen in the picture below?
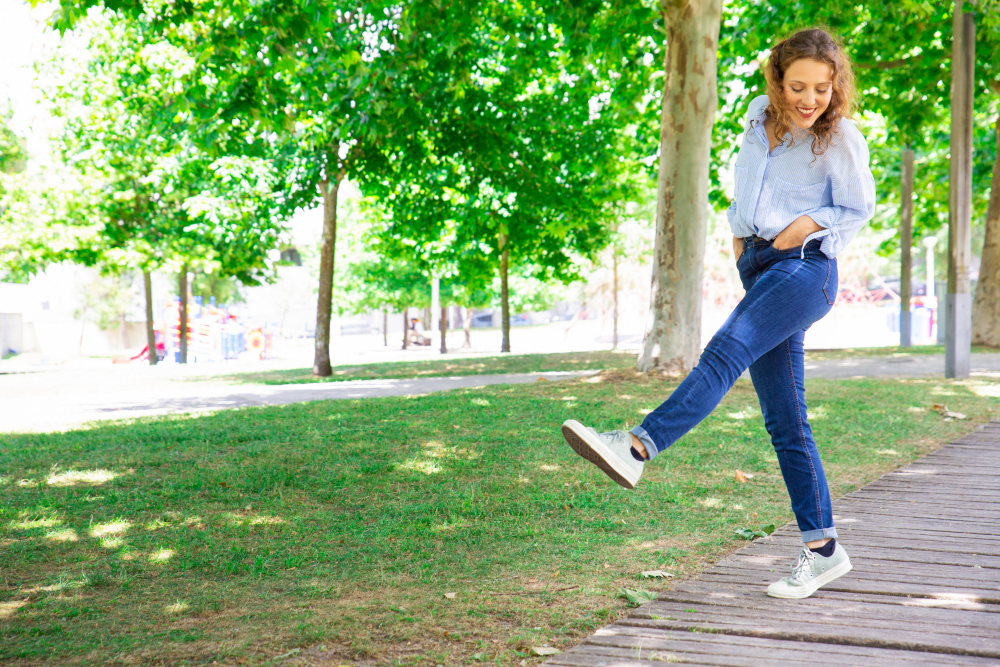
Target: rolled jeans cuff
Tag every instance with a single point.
(646, 441)
(821, 534)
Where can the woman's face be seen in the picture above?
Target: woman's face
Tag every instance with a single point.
(808, 87)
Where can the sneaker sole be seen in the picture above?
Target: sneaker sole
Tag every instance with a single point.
(590, 448)
(818, 582)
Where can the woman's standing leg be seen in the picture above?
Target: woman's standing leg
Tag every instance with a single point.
(779, 379)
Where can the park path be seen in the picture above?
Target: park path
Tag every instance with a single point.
(57, 399)
(43, 406)
(925, 588)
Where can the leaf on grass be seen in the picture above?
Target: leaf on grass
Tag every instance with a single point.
(636, 596)
(541, 379)
(650, 574)
(543, 650)
(479, 656)
(943, 410)
(751, 533)
(742, 477)
(450, 596)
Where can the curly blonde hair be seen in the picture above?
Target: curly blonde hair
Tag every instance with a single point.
(819, 45)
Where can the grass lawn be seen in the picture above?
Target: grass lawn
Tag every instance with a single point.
(530, 363)
(446, 529)
(505, 363)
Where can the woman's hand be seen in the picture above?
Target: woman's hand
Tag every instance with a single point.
(737, 247)
(795, 234)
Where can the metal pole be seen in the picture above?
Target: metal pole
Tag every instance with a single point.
(958, 302)
(905, 242)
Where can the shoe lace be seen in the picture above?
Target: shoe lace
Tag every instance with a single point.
(802, 565)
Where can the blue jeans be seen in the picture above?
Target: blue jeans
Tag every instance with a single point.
(786, 293)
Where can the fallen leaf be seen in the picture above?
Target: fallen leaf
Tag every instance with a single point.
(751, 533)
(450, 596)
(954, 415)
(479, 656)
(939, 407)
(742, 477)
(636, 596)
(543, 650)
(650, 574)
(541, 379)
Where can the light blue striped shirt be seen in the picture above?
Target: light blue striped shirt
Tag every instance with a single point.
(836, 189)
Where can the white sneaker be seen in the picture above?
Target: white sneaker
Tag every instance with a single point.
(611, 452)
(810, 572)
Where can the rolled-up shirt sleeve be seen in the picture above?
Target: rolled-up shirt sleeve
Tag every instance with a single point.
(853, 190)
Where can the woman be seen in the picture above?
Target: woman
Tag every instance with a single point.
(803, 190)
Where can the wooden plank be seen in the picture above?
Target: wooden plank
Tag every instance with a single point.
(694, 643)
(709, 592)
(910, 609)
(940, 642)
(900, 554)
(915, 589)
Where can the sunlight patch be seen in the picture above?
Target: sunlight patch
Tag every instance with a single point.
(444, 527)
(67, 535)
(421, 465)
(161, 556)
(7, 609)
(110, 529)
(74, 477)
(817, 413)
(645, 412)
(986, 390)
(177, 607)
(482, 402)
(595, 379)
(887, 452)
(941, 391)
(28, 524)
(549, 468)
(26, 482)
(914, 408)
(4, 480)
(745, 413)
(569, 398)
(710, 502)
(625, 397)
(522, 479)
(265, 520)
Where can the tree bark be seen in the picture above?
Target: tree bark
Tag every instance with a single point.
(182, 329)
(406, 327)
(444, 329)
(324, 304)
(147, 281)
(673, 329)
(905, 244)
(467, 326)
(504, 295)
(614, 336)
(958, 303)
(986, 306)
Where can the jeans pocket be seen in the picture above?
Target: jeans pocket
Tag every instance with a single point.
(832, 281)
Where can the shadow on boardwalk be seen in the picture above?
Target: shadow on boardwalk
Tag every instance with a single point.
(925, 589)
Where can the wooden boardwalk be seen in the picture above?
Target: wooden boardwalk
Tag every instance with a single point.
(925, 588)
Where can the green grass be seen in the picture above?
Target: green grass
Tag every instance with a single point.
(893, 351)
(330, 532)
(496, 364)
(528, 363)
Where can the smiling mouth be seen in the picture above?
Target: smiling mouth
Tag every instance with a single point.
(806, 113)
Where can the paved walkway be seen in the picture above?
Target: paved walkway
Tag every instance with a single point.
(925, 588)
(34, 409)
(58, 398)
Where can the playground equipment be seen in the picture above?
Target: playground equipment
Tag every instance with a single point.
(214, 334)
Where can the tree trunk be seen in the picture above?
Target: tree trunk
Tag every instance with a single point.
(444, 329)
(406, 327)
(467, 326)
(385, 327)
(614, 336)
(905, 244)
(324, 304)
(958, 302)
(504, 294)
(673, 329)
(182, 329)
(986, 307)
(147, 281)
